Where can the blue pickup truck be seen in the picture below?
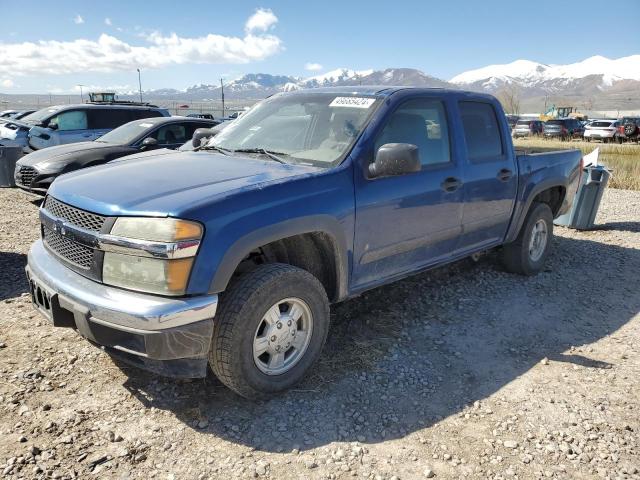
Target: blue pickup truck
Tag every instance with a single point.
(230, 255)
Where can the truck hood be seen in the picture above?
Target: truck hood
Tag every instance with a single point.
(167, 184)
(71, 150)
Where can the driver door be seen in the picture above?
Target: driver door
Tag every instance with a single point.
(407, 222)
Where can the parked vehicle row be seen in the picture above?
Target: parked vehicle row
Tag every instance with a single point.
(36, 171)
(229, 255)
(605, 130)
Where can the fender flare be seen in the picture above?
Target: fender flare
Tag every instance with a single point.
(521, 214)
(314, 224)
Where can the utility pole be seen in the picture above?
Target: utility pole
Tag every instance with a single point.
(222, 92)
(81, 98)
(139, 84)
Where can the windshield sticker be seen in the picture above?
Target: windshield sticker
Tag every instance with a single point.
(145, 125)
(352, 102)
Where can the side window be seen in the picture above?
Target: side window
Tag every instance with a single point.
(481, 131)
(423, 123)
(170, 134)
(108, 118)
(71, 120)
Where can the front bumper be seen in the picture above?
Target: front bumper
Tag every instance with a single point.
(169, 336)
(37, 183)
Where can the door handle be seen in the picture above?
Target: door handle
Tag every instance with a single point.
(504, 174)
(450, 184)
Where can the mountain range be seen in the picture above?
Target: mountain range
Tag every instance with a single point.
(598, 82)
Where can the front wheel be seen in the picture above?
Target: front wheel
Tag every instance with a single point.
(528, 254)
(270, 328)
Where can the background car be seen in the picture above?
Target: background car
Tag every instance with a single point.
(563, 128)
(35, 171)
(629, 129)
(62, 124)
(605, 130)
(7, 113)
(528, 128)
(512, 120)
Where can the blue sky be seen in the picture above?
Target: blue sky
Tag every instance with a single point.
(441, 38)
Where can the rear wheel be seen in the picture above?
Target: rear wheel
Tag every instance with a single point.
(528, 253)
(270, 328)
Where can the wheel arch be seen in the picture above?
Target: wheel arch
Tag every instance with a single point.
(316, 244)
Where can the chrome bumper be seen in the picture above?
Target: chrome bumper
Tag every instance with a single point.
(148, 329)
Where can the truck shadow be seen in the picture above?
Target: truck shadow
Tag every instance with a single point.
(402, 357)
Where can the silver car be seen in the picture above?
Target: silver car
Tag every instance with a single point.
(62, 124)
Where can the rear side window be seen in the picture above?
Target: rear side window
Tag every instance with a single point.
(481, 131)
(108, 118)
(423, 123)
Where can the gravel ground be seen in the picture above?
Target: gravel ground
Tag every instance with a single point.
(464, 372)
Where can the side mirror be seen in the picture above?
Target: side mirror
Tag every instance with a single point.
(52, 125)
(201, 133)
(149, 143)
(394, 159)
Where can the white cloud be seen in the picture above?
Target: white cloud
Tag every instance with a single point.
(108, 53)
(6, 82)
(312, 67)
(262, 20)
(107, 21)
(78, 20)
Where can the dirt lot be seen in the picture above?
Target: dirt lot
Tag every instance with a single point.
(465, 372)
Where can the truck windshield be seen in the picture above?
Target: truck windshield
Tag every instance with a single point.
(313, 128)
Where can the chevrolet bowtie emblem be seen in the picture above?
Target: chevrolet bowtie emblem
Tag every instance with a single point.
(58, 227)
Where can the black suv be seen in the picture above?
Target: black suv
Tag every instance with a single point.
(629, 129)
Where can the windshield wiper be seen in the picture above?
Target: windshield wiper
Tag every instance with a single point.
(226, 151)
(263, 151)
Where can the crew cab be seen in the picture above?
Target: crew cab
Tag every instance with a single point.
(230, 255)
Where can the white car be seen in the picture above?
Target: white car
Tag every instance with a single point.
(605, 130)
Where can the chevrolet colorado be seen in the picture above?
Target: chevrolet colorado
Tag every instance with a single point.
(230, 255)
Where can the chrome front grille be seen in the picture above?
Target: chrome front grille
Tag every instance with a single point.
(68, 249)
(80, 218)
(26, 175)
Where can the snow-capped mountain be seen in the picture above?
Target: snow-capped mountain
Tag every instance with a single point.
(591, 74)
(260, 85)
(606, 81)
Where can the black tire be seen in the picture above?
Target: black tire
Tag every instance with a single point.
(630, 129)
(240, 312)
(516, 256)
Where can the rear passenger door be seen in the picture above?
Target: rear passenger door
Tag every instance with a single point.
(490, 177)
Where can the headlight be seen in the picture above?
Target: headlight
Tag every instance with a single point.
(152, 275)
(156, 229)
(151, 255)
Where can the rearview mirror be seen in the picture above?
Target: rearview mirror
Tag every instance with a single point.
(149, 142)
(201, 133)
(394, 159)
